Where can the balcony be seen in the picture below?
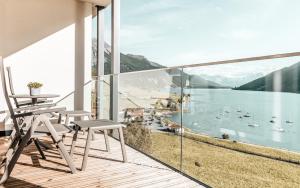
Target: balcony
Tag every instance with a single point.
(196, 125)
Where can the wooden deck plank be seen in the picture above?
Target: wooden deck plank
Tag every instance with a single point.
(104, 169)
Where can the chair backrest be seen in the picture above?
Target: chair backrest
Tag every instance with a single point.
(11, 87)
(8, 69)
(5, 92)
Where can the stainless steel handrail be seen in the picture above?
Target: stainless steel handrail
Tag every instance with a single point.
(230, 61)
(66, 96)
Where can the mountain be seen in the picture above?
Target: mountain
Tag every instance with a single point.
(196, 81)
(283, 80)
(130, 63)
(232, 81)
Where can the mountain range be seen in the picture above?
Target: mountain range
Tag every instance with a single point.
(283, 80)
(232, 81)
(130, 63)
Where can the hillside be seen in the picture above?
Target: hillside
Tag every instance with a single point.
(283, 80)
(131, 63)
(196, 81)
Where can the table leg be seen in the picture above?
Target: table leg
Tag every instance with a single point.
(87, 149)
(121, 136)
(67, 120)
(106, 140)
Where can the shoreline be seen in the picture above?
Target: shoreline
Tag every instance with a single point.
(239, 146)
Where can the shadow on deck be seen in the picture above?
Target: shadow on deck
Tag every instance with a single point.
(103, 170)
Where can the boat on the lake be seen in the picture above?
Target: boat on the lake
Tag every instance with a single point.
(253, 125)
(279, 129)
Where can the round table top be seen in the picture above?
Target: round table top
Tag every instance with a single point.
(27, 96)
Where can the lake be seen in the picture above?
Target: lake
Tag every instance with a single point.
(263, 118)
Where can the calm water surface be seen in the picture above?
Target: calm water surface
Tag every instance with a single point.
(263, 118)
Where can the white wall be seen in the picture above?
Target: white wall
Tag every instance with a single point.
(39, 40)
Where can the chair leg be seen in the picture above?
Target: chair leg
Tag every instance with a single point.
(13, 155)
(55, 143)
(106, 140)
(67, 120)
(74, 140)
(122, 144)
(67, 157)
(87, 149)
(60, 144)
(37, 145)
(93, 134)
(45, 146)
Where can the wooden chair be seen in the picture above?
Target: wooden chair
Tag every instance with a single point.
(22, 133)
(26, 105)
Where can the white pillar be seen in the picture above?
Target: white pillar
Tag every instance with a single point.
(115, 57)
(83, 48)
(100, 62)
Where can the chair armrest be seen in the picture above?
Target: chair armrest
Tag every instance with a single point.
(39, 112)
(29, 102)
(46, 111)
(23, 114)
(76, 113)
(33, 107)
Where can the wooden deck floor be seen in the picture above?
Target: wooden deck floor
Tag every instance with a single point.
(103, 170)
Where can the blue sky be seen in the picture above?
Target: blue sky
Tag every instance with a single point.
(178, 32)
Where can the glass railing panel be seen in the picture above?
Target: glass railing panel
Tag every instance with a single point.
(88, 90)
(241, 123)
(101, 94)
(147, 100)
(68, 100)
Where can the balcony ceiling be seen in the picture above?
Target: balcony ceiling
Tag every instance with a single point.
(99, 2)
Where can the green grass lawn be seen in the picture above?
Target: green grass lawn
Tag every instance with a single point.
(224, 167)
